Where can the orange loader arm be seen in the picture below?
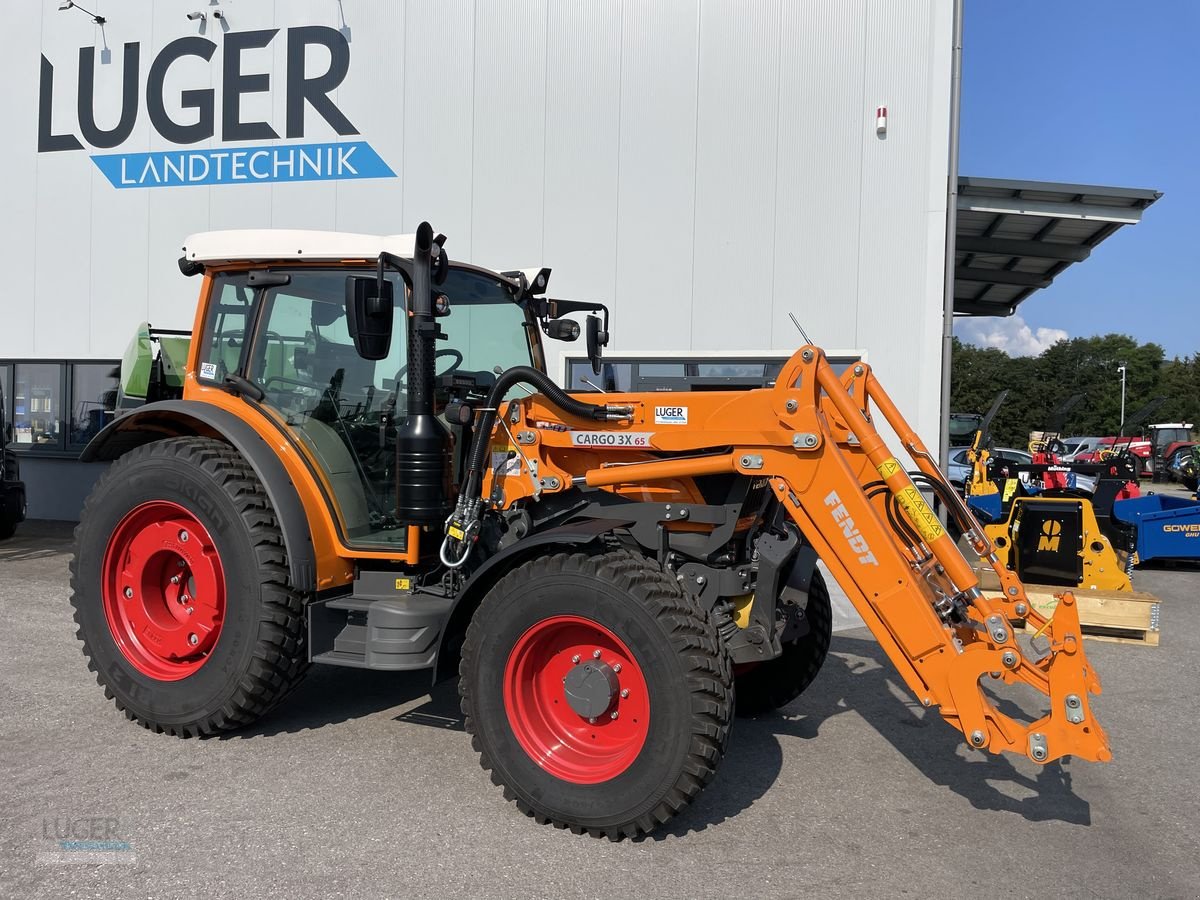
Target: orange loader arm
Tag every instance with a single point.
(813, 436)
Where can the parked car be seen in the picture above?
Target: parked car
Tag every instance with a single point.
(1074, 446)
(960, 467)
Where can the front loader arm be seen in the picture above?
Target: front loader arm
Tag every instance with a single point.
(814, 438)
(922, 599)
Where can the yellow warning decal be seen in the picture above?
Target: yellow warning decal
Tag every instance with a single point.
(888, 467)
(920, 514)
(404, 584)
(1010, 488)
(455, 532)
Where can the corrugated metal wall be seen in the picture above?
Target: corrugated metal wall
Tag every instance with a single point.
(708, 166)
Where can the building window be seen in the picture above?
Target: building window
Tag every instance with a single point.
(93, 399)
(54, 407)
(683, 373)
(37, 406)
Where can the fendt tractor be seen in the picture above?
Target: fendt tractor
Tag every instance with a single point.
(346, 476)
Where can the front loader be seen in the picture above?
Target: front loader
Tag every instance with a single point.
(369, 467)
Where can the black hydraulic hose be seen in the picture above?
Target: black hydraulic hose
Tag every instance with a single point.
(505, 381)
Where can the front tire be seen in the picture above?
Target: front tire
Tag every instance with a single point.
(597, 693)
(181, 590)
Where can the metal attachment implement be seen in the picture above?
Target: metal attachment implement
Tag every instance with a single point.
(1074, 709)
(997, 629)
(1037, 747)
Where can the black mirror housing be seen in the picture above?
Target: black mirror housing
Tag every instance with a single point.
(596, 339)
(369, 304)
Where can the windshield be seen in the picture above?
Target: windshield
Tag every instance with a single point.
(342, 408)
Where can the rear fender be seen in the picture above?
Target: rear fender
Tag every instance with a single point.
(178, 418)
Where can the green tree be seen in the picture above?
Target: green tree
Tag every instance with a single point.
(1038, 386)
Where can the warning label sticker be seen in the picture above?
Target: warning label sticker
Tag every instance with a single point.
(888, 467)
(670, 415)
(208, 370)
(920, 514)
(626, 440)
(505, 462)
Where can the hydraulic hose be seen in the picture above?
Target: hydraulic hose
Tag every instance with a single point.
(462, 527)
(506, 380)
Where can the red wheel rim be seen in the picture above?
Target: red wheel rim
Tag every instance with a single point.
(163, 590)
(568, 745)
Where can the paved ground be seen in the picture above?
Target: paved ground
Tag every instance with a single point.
(365, 785)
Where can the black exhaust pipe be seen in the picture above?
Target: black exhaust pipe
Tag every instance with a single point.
(422, 441)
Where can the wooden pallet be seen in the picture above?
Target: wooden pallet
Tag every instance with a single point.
(1123, 617)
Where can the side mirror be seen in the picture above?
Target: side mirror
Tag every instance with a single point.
(563, 329)
(596, 339)
(369, 315)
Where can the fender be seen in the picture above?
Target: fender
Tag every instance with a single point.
(176, 418)
(570, 536)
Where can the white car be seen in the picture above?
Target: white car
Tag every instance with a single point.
(959, 471)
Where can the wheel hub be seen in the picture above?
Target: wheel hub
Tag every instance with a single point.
(590, 688)
(163, 590)
(576, 698)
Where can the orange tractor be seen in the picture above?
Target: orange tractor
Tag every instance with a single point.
(346, 477)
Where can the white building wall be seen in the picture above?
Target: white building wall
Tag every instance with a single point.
(707, 166)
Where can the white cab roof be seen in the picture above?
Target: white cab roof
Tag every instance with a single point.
(271, 244)
(215, 247)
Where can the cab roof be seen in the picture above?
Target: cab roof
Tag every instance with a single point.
(262, 244)
(212, 248)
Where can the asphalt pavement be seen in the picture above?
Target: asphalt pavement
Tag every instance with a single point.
(365, 785)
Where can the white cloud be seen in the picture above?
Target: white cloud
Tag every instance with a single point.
(1009, 334)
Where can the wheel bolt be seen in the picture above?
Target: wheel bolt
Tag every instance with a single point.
(617, 668)
(128, 593)
(193, 640)
(592, 720)
(185, 599)
(174, 579)
(575, 659)
(595, 654)
(613, 715)
(625, 694)
(183, 536)
(191, 610)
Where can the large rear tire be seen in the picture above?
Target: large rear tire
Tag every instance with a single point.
(770, 685)
(597, 693)
(181, 590)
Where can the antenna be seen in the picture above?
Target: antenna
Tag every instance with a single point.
(796, 322)
(596, 386)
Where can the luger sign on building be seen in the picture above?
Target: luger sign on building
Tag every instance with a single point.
(291, 162)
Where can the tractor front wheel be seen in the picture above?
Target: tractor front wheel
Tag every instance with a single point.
(181, 590)
(597, 693)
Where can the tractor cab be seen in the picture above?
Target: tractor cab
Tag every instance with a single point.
(282, 331)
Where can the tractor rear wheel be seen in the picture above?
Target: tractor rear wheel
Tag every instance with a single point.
(597, 693)
(776, 683)
(181, 590)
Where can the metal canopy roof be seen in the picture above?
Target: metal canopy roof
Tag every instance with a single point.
(1014, 237)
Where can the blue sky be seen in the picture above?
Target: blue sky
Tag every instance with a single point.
(1095, 92)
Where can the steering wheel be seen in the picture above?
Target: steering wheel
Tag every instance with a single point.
(304, 384)
(444, 352)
